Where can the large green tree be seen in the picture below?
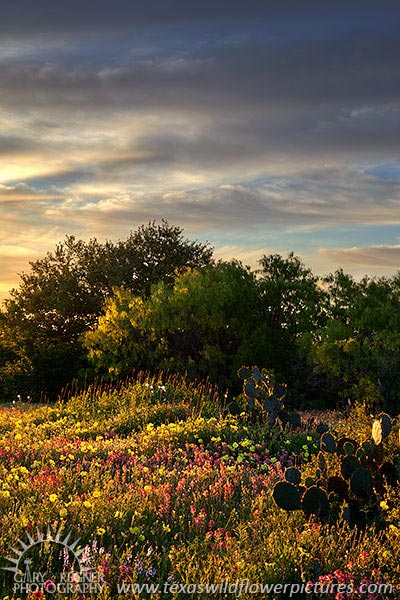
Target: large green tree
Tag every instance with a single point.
(206, 324)
(64, 293)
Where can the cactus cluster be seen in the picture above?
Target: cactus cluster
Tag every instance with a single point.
(290, 495)
(260, 390)
(350, 493)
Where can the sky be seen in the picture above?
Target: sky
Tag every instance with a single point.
(258, 126)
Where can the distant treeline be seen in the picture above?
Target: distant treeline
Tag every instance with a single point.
(158, 301)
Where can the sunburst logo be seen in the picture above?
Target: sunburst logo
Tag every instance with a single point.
(27, 579)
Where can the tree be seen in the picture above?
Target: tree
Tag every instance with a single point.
(358, 349)
(292, 303)
(64, 293)
(206, 324)
(120, 342)
(156, 253)
(292, 294)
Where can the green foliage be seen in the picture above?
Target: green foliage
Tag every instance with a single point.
(63, 294)
(157, 301)
(291, 303)
(357, 349)
(292, 298)
(102, 401)
(200, 326)
(119, 343)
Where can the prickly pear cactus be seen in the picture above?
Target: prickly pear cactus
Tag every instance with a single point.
(315, 502)
(353, 493)
(293, 419)
(346, 445)
(328, 443)
(287, 496)
(377, 433)
(362, 483)
(386, 424)
(338, 486)
(348, 465)
(322, 463)
(261, 391)
(293, 475)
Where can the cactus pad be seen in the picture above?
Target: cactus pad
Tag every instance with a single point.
(386, 424)
(349, 464)
(346, 445)
(377, 432)
(322, 463)
(376, 454)
(279, 391)
(389, 472)
(321, 428)
(293, 475)
(328, 443)
(233, 408)
(244, 373)
(286, 496)
(293, 419)
(315, 502)
(256, 374)
(250, 389)
(361, 483)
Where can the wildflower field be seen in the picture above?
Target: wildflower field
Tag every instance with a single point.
(160, 485)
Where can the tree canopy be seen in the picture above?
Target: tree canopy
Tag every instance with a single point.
(357, 351)
(64, 292)
(159, 301)
(203, 324)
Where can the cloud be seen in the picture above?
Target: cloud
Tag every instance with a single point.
(21, 18)
(302, 201)
(226, 112)
(354, 69)
(247, 256)
(370, 257)
(258, 118)
(13, 145)
(22, 193)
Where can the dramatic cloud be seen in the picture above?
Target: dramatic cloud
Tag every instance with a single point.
(261, 126)
(226, 76)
